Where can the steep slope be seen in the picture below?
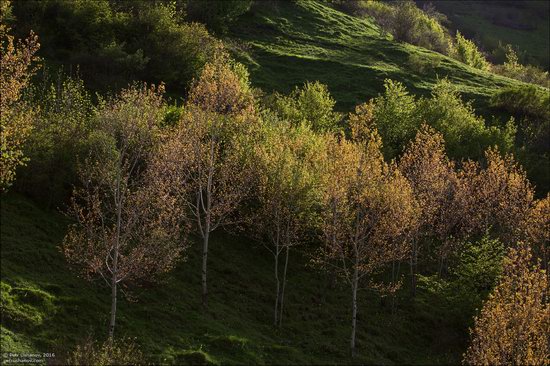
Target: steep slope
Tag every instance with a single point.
(285, 43)
(47, 308)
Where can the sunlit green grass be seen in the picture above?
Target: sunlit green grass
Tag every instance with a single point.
(286, 43)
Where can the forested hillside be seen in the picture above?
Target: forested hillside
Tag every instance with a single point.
(205, 182)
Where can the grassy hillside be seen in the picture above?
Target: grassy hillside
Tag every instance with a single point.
(524, 24)
(46, 308)
(287, 43)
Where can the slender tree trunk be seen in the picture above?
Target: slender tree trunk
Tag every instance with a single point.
(440, 269)
(114, 270)
(393, 271)
(330, 276)
(393, 277)
(207, 224)
(113, 307)
(413, 282)
(398, 268)
(276, 313)
(545, 262)
(412, 263)
(283, 289)
(204, 264)
(394, 302)
(354, 286)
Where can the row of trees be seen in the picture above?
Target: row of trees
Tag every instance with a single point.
(227, 161)
(287, 173)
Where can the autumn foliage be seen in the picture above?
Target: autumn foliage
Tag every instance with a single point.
(127, 220)
(402, 179)
(433, 180)
(17, 65)
(368, 206)
(288, 186)
(514, 324)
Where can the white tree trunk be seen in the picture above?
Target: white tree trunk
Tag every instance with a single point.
(413, 264)
(113, 307)
(283, 289)
(114, 270)
(204, 264)
(354, 286)
(276, 312)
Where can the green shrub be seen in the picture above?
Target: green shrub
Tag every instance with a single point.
(396, 118)
(466, 51)
(466, 134)
(311, 104)
(524, 101)
(405, 21)
(118, 42)
(412, 25)
(397, 115)
(472, 275)
(512, 68)
(176, 51)
(61, 126)
(423, 65)
(529, 105)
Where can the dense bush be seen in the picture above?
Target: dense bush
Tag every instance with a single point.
(472, 276)
(398, 115)
(529, 104)
(512, 68)
(177, 51)
(396, 118)
(423, 65)
(115, 43)
(525, 100)
(17, 66)
(417, 27)
(512, 327)
(466, 51)
(311, 104)
(405, 21)
(61, 127)
(466, 134)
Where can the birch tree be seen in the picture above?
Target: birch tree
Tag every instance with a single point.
(127, 223)
(433, 180)
(287, 190)
(497, 199)
(367, 203)
(220, 115)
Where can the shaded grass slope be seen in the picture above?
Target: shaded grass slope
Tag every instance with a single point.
(47, 308)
